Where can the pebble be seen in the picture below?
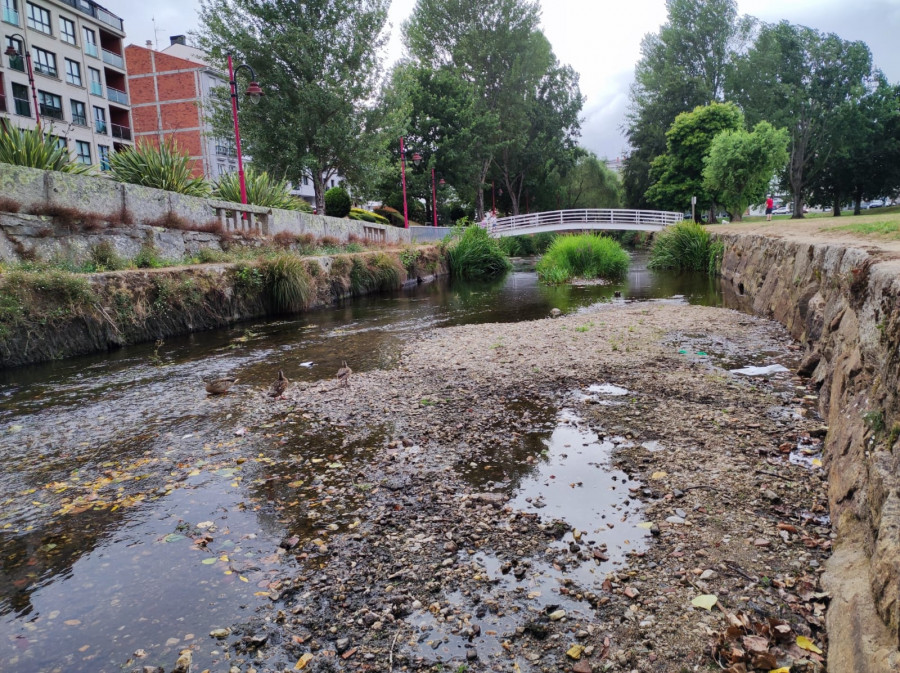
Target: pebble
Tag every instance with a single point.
(557, 615)
(681, 513)
(675, 519)
(219, 633)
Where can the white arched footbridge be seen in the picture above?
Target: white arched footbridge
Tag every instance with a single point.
(581, 220)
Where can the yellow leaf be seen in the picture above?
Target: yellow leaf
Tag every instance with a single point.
(805, 643)
(817, 462)
(705, 601)
(645, 524)
(242, 578)
(303, 661)
(783, 669)
(575, 651)
(659, 475)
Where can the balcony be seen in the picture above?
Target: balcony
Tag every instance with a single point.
(225, 151)
(100, 126)
(121, 132)
(96, 89)
(17, 63)
(22, 107)
(116, 96)
(113, 59)
(97, 12)
(44, 69)
(91, 49)
(11, 16)
(52, 112)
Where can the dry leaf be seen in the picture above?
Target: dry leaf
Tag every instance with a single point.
(575, 651)
(805, 643)
(303, 662)
(706, 601)
(659, 475)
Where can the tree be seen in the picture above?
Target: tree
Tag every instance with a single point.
(590, 184)
(681, 67)
(802, 80)
(678, 174)
(317, 62)
(740, 165)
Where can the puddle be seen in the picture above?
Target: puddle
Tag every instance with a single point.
(760, 371)
(808, 453)
(607, 389)
(653, 446)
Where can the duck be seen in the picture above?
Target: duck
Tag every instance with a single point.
(220, 386)
(280, 386)
(343, 374)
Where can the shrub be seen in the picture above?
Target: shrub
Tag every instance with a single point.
(377, 271)
(148, 256)
(472, 253)
(103, 257)
(35, 149)
(337, 202)
(393, 216)
(685, 246)
(262, 190)
(162, 167)
(582, 256)
(367, 216)
(287, 283)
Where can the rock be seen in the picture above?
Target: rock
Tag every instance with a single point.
(654, 529)
(582, 667)
(219, 633)
(677, 493)
(761, 542)
(708, 574)
(471, 654)
(555, 313)
(675, 519)
(556, 615)
(631, 592)
(342, 644)
(183, 663)
(681, 513)
(771, 496)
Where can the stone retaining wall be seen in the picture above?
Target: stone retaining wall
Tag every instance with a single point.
(844, 305)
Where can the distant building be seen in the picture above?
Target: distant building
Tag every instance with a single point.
(305, 190)
(170, 91)
(79, 74)
(615, 165)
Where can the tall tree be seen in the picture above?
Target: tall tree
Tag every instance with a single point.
(678, 174)
(317, 61)
(681, 67)
(802, 80)
(590, 184)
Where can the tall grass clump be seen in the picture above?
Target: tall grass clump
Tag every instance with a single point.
(376, 272)
(582, 256)
(262, 190)
(473, 254)
(287, 283)
(35, 149)
(685, 246)
(163, 167)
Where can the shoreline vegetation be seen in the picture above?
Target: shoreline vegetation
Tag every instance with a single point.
(582, 256)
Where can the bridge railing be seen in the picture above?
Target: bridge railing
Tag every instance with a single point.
(611, 216)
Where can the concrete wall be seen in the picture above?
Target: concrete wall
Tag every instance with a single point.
(107, 198)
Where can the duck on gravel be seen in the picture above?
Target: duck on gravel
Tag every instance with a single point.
(343, 375)
(280, 386)
(220, 386)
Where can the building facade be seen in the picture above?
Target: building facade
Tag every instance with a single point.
(80, 80)
(171, 91)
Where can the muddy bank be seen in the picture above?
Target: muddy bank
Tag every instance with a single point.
(47, 315)
(553, 495)
(843, 304)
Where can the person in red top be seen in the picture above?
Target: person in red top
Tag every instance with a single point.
(770, 204)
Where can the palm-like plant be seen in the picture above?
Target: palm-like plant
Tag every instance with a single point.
(262, 190)
(163, 167)
(35, 149)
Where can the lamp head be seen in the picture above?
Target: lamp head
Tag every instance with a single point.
(11, 51)
(254, 92)
(417, 158)
(442, 182)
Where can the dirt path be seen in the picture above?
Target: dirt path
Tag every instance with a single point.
(514, 519)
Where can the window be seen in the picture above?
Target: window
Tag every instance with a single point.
(67, 30)
(16, 62)
(83, 152)
(99, 119)
(96, 81)
(79, 113)
(305, 181)
(20, 100)
(10, 12)
(39, 18)
(90, 43)
(44, 61)
(61, 142)
(51, 105)
(103, 155)
(73, 72)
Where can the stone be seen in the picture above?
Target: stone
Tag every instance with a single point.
(675, 519)
(556, 615)
(219, 633)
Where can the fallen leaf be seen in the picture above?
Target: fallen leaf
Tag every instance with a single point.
(659, 475)
(645, 524)
(706, 601)
(208, 561)
(805, 643)
(303, 662)
(817, 462)
(783, 669)
(575, 651)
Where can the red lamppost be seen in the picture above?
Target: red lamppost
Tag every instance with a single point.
(416, 159)
(433, 198)
(254, 92)
(493, 200)
(12, 51)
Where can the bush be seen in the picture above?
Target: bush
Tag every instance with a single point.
(148, 256)
(473, 254)
(367, 216)
(337, 202)
(103, 257)
(162, 167)
(378, 271)
(287, 283)
(393, 216)
(582, 256)
(685, 246)
(34, 149)
(262, 190)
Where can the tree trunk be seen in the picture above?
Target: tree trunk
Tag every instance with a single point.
(836, 206)
(319, 185)
(737, 216)
(857, 201)
(711, 215)
(479, 202)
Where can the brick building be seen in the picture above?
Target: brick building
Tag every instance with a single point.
(169, 92)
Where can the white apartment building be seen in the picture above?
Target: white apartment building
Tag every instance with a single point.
(80, 84)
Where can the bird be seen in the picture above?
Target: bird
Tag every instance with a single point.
(617, 293)
(555, 313)
(280, 386)
(220, 386)
(343, 374)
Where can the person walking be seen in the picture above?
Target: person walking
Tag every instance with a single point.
(770, 205)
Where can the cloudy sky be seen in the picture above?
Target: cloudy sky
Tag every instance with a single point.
(601, 43)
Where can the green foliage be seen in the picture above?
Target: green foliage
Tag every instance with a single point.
(392, 215)
(337, 202)
(740, 165)
(367, 216)
(376, 272)
(162, 167)
(103, 257)
(526, 246)
(287, 283)
(590, 184)
(262, 190)
(148, 256)
(582, 256)
(473, 254)
(409, 258)
(685, 246)
(35, 149)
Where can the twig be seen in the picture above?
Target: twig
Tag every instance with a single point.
(736, 568)
(391, 655)
(777, 476)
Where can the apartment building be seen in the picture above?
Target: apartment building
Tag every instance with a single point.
(171, 90)
(80, 87)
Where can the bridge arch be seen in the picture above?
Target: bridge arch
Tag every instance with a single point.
(610, 219)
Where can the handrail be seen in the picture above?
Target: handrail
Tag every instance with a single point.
(587, 216)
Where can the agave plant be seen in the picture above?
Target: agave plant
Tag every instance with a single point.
(163, 167)
(262, 190)
(35, 149)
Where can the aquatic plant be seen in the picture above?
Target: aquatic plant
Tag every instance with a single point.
(582, 256)
(287, 284)
(472, 253)
(685, 246)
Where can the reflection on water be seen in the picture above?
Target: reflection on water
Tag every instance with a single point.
(111, 463)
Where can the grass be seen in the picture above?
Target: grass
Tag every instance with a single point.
(376, 272)
(582, 256)
(474, 255)
(686, 246)
(287, 283)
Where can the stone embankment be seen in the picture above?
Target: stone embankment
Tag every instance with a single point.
(843, 303)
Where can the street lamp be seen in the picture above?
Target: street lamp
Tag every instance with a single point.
(254, 92)
(12, 51)
(417, 159)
